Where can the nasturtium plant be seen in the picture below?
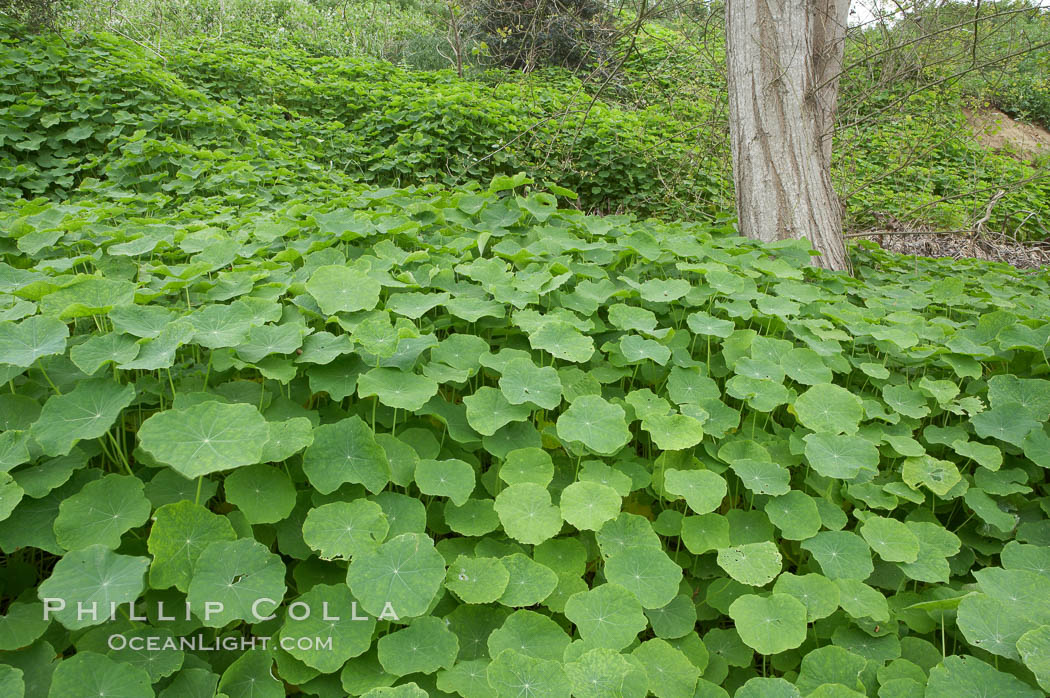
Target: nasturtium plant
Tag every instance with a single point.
(101, 513)
(481, 442)
(607, 616)
(90, 580)
(87, 412)
(754, 564)
(588, 505)
(528, 582)
(477, 580)
(829, 408)
(346, 451)
(647, 573)
(180, 532)
(527, 514)
(424, 646)
(339, 530)
(326, 612)
(450, 478)
(400, 576)
(596, 423)
(769, 624)
(241, 576)
(205, 438)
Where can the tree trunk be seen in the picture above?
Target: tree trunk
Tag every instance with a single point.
(784, 59)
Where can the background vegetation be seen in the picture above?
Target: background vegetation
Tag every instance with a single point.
(613, 450)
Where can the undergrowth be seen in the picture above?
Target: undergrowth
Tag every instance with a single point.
(574, 454)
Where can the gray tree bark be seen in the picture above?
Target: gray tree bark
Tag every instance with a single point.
(784, 58)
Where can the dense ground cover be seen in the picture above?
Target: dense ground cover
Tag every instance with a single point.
(597, 456)
(645, 132)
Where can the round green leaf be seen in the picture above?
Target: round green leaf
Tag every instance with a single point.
(338, 378)
(938, 476)
(287, 438)
(101, 512)
(93, 577)
(475, 518)
(527, 465)
(992, 625)
(840, 554)
(1034, 648)
(242, 575)
(755, 564)
(936, 544)
(450, 478)
(205, 438)
(703, 490)
(22, 343)
(795, 514)
(769, 624)
(525, 382)
(597, 424)
(405, 572)
(841, 456)
(325, 614)
(346, 451)
(673, 432)
(601, 672)
(830, 665)
(488, 410)
(180, 532)
(533, 634)
(340, 289)
(158, 662)
(264, 494)
(890, 539)
(675, 620)
(12, 681)
(513, 675)
(805, 366)
(671, 674)
(861, 601)
(467, 678)
(528, 583)
(87, 674)
(626, 531)
(969, 677)
(424, 647)
(477, 579)
(1010, 423)
(397, 389)
(563, 341)
(709, 326)
(606, 616)
(22, 625)
(635, 349)
(647, 573)
(85, 413)
(588, 505)
(270, 340)
(251, 676)
(762, 477)
(340, 530)
(826, 407)
(527, 515)
(817, 593)
(664, 290)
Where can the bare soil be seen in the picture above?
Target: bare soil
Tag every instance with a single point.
(997, 131)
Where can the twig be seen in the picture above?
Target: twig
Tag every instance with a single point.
(978, 228)
(873, 233)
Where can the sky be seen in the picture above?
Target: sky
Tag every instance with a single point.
(862, 11)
